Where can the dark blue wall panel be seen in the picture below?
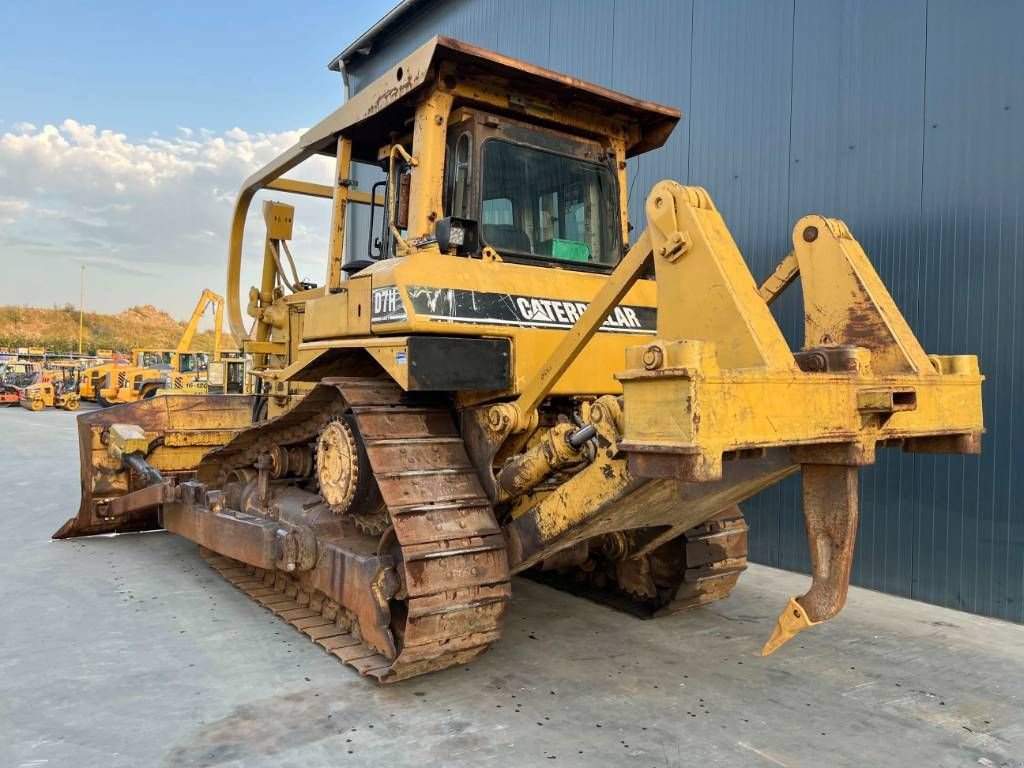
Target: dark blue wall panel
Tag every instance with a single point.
(970, 518)
(902, 117)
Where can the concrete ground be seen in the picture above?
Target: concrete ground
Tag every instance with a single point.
(129, 651)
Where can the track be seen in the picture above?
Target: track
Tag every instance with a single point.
(700, 566)
(451, 568)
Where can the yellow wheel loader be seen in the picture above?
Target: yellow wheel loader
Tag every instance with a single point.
(503, 380)
(94, 378)
(150, 371)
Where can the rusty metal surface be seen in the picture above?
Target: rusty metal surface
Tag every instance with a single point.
(637, 503)
(830, 513)
(189, 425)
(456, 580)
(830, 517)
(142, 499)
(247, 538)
(432, 592)
(504, 74)
(716, 555)
(696, 567)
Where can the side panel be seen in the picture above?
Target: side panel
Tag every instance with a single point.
(969, 547)
(533, 306)
(444, 364)
(857, 101)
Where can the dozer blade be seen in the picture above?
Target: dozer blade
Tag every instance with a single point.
(183, 428)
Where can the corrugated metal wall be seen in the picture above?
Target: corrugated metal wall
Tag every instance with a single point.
(905, 118)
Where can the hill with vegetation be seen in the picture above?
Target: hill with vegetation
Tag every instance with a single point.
(56, 329)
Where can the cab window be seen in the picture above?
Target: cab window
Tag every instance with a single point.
(497, 212)
(457, 186)
(150, 359)
(549, 206)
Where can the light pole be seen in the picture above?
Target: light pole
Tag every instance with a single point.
(81, 308)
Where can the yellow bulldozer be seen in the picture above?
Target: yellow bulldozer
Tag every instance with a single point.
(155, 370)
(506, 381)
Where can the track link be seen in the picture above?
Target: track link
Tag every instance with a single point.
(451, 567)
(715, 556)
(698, 567)
(326, 623)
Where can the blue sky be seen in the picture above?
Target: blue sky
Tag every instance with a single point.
(146, 67)
(126, 127)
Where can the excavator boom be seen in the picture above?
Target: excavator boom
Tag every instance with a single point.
(207, 298)
(154, 370)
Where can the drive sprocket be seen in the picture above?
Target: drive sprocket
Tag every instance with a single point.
(346, 479)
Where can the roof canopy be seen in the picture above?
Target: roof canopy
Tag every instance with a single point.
(390, 100)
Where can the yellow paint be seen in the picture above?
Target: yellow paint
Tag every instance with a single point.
(792, 620)
(43, 394)
(207, 298)
(125, 439)
(594, 370)
(732, 384)
(716, 381)
(342, 174)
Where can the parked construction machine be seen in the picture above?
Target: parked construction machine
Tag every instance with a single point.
(15, 375)
(227, 373)
(150, 371)
(153, 370)
(94, 378)
(504, 380)
(55, 387)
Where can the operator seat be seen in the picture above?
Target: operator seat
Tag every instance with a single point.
(507, 237)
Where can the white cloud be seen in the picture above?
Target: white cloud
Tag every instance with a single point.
(10, 205)
(159, 207)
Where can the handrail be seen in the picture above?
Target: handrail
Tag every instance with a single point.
(269, 177)
(257, 181)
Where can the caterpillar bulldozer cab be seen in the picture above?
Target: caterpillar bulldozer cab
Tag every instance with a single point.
(501, 379)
